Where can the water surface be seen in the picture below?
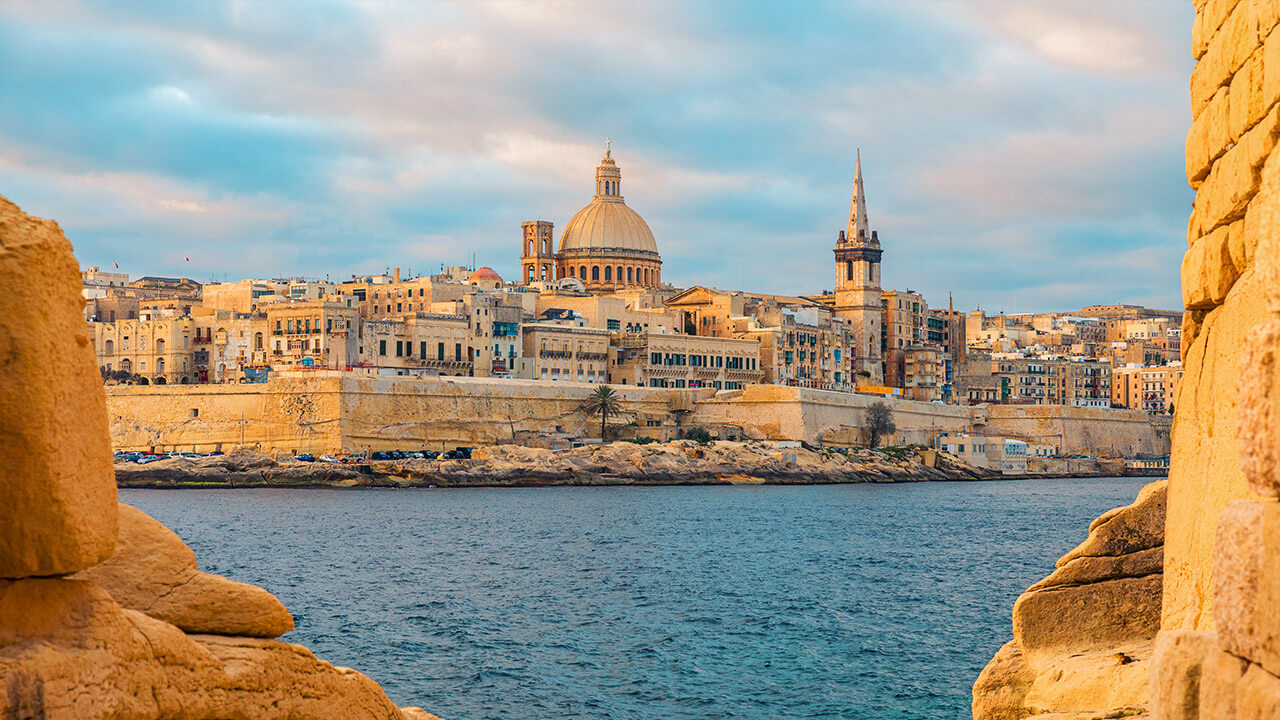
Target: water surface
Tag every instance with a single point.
(873, 602)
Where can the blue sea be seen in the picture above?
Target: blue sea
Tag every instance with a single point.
(868, 602)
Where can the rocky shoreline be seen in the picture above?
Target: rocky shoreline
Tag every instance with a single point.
(681, 462)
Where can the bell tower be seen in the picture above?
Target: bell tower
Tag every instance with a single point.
(858, 284)
(539, 257)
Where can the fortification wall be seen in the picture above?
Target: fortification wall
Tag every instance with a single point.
(779, 412)
(1098, 432)
(326, 411)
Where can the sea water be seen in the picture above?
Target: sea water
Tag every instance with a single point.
(874, 602)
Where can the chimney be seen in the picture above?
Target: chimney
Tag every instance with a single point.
(397, 271)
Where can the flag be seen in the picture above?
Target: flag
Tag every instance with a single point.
(116, 264)
(186, 258)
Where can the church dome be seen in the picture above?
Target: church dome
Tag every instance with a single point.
(604, 225)
(484, 273)
(607, 223)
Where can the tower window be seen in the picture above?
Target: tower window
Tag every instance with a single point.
(608, 274)
(595, 273)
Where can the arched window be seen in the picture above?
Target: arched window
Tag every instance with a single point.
(111, 347)
(160, 346)
(629, 280)
(160, 365)
(571, 269)
(608, 274)
(582, 272)
(257, 341)
(595, 273)
(126, 365)
(619, 275)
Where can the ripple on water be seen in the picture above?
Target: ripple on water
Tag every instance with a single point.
(874, 602)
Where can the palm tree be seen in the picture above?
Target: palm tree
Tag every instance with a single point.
(603, 402)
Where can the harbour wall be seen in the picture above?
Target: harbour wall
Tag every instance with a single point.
(328, 411)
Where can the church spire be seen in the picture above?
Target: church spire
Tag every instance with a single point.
(859, 228)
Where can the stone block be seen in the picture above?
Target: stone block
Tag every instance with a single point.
(1234, 179)
(1049, 624)
(154, 572)
(1259, 425)
(999, 691)
(58, 495)
(1258, 695)
(1175, 674)
(1227, 51)
(1220, 678)
(1208, 271)
(1238, 550)
(1208, 137)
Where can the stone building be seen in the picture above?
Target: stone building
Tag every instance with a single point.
(683, 361)
(418, 344)
(565, 351)
(606, 245)
(319, 334)
(857, 292)
(1041, 380)
(804, 347)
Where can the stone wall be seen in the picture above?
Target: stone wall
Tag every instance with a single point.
(1218, 654)
(325, 411)
(1232, 163)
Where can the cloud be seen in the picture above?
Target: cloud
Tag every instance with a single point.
(352, 136)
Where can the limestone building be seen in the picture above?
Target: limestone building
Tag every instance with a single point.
(857, 296)
(606, 244)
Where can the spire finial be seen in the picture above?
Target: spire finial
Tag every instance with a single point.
(608, 150)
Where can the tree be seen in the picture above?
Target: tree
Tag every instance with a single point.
(603, 402)
(879, 421)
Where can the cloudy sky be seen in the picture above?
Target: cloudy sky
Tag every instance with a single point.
(1018, 155)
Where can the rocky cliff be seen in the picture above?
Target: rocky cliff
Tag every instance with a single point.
(103, 611)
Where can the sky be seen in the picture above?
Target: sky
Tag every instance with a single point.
(1016, 156)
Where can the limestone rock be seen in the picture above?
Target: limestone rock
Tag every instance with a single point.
(417, 713)
(58, 513)
(1105, 682)
(1177, 667)
(1068, 620)
(1219, 683)
(154, 572)
(1259, 390)
(69, 652)
(1129, 529)
(1088, 569)
(1000, 689)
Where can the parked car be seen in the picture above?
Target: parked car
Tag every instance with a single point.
(431, 454)
(327, 458)
(379, 455)
(305, 457)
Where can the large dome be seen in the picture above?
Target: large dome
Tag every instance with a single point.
(607, 223)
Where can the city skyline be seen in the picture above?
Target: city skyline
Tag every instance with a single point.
(1005, 161)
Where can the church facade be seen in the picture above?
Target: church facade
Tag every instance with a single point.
(857, 292)
(606, 245)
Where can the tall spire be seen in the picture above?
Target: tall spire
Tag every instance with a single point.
(859, 228)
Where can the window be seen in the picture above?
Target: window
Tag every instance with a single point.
(608, 274)
(457, 352)
(382, 347)
(439, 351)
(110, 349)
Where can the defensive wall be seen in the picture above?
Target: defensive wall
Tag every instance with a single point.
(328, 411)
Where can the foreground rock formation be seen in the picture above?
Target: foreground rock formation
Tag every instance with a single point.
(103, 612)
(1217, 655)
(1083, 636)
(680, 462)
